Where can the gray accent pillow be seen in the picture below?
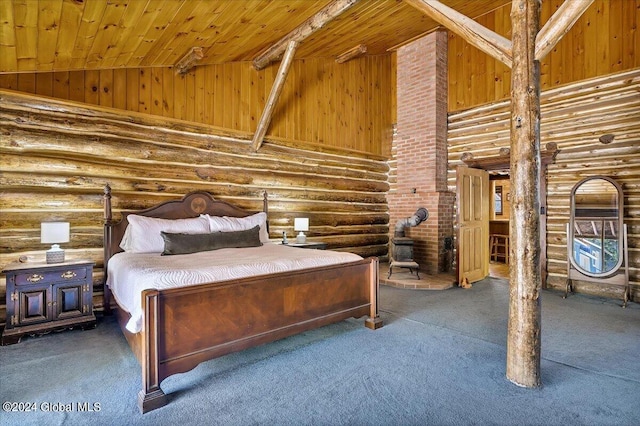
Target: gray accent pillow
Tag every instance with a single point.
(193, 243)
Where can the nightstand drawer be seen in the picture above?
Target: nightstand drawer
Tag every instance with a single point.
(60, 275)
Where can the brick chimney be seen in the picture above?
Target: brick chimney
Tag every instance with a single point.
(419, 150)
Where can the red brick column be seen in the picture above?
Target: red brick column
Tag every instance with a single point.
(420, 150)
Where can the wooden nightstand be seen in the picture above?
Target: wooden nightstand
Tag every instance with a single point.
(44, 297)
(309, 245)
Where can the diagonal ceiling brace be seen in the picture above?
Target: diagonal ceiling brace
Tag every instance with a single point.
(302, 31)
(472, 32)
(558, 25)
(278, 84)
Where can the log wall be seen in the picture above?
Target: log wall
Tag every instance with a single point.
(56, 156)
(320, 101)
(605, 40)
(574, 116)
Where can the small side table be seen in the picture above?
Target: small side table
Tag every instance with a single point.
(309, 245)
(45, 297)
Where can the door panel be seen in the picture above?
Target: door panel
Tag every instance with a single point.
(473, 224)
(33, 305)
(69, 301)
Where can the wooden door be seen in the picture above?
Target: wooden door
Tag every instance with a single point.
(473, 224)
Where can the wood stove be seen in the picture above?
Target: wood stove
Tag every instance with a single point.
(402, 247)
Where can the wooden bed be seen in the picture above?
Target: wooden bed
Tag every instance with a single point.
(229, 316)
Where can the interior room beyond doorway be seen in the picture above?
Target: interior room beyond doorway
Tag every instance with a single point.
(500, 190)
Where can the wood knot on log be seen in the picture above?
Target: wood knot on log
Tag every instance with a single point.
(205, 174)
(466, 156)
(606, 139)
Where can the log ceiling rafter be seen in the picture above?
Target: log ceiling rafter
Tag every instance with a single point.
(495, 45)
(352, 53)
(287, 45)
(469, 30)
(276, 89)
(304, 30)
(474, 33)
(189, 60)
(558, 25)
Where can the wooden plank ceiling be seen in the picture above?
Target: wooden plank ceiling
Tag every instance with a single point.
(61, 35)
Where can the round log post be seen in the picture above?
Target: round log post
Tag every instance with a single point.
(523, 339)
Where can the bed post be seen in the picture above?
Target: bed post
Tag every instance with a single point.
(265, 207)
(265, 203)
(108, 220)
(151, 395)
(373, 322)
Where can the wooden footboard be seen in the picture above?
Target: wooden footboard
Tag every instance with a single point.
(186, 326)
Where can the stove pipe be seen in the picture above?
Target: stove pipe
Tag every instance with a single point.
(418, 217)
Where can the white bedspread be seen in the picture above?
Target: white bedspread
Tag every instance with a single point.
(131, 273)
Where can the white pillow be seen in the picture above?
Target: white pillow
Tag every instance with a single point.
(227, 224)
(143, 233)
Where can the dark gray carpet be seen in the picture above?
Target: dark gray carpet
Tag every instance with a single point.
(439, 360)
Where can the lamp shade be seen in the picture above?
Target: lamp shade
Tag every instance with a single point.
(54, 232)
(301, 224)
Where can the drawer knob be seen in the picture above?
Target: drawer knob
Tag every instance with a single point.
(35, 278)
(68, 275)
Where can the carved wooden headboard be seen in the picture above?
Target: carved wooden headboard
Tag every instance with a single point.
(191, 205)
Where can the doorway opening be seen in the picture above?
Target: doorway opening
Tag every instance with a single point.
(499, 165)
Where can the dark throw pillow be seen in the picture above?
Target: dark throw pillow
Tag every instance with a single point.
(193, 243)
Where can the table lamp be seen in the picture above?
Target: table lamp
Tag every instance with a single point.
(54, 233)
(301, 224)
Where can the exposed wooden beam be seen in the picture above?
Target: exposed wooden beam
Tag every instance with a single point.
(502, 161)
(472, 32)
(265, 119)
(303, 31)
(558, 25)
(352, 53)
(189, 60)
(525, 283)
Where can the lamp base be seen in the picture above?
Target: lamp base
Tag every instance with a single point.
(55, 256)
(301, 238)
